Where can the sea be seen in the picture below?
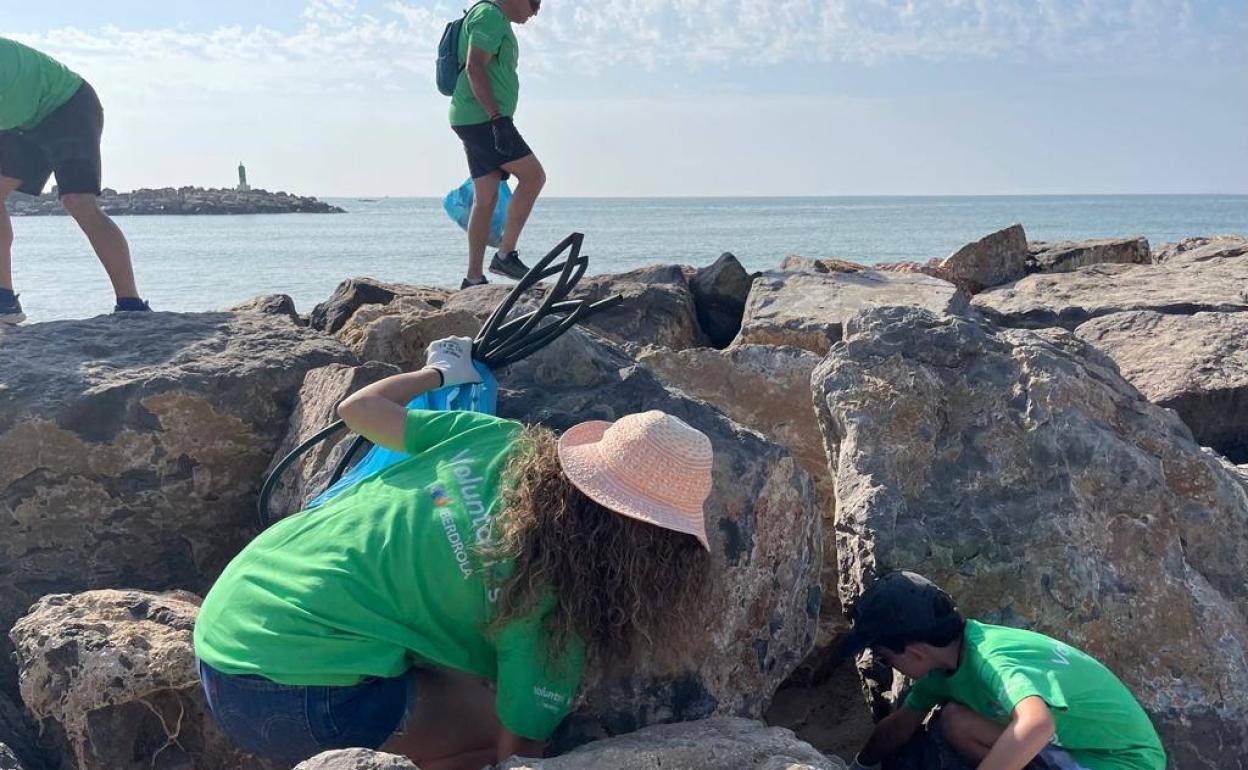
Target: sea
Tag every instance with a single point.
(201, 263)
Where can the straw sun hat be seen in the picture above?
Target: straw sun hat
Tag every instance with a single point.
(649, 466)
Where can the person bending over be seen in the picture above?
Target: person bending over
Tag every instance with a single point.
(1010, 699)
(51, 122)
(482, 110)
(444, 608)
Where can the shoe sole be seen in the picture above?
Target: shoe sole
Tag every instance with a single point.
(12, 319)
(513, 275)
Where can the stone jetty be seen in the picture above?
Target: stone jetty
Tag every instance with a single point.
(179, 201)
(1055, 432)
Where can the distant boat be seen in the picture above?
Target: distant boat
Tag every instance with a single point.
(367, 200)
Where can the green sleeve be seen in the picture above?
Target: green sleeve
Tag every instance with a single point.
(925, 694)
(426, 428)
(535, 692)
(487, 29)
(1013, 683)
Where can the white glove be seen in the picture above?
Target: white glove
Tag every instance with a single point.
(857, 764)
(453, 358)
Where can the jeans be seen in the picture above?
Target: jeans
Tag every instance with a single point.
(290, 723)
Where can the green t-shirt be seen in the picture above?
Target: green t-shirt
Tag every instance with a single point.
(386, 576)
(32, 86)
(1097, 719)
(488, 29)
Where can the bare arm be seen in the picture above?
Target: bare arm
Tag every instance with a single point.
(479, 79)
(379, 411)
(510, 745)
(891, 734)
(1028, 732)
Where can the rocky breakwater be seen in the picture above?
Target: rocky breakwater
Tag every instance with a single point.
(180, 200)
(863, 420)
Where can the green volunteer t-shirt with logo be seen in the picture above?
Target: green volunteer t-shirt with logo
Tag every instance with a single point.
(488, 29)
(386, 576)
(32, 86)
(1098, 720)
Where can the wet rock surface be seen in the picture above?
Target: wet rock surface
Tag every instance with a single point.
(711, 744)
(113, 673)
(1022, 473)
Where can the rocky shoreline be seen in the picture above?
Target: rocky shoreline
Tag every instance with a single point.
(1056, 432)
(179, 201)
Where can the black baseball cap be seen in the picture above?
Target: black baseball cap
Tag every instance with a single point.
(899, 605)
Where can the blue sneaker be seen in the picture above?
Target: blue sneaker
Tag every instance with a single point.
(10, 309)
(131, 305)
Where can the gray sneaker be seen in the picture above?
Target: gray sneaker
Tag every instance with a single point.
(11, 309)
(508, 264)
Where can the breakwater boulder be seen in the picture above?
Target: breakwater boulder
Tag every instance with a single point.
(179, 201)
(112, 675)
(132, 448)
(1021, 472)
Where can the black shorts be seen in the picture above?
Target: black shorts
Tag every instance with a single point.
(66, 143)
(478, 139)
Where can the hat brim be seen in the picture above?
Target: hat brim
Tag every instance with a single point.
(852, 646)
(587, 469)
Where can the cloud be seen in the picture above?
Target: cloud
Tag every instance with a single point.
(350, 45)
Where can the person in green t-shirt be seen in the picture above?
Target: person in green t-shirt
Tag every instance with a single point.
(1011, 699)
(51, 122)
(483, 107)
(445, 607)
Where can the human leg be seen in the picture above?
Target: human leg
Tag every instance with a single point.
(7, 185)
(451, 723)
(484, 199)
(106, 239)
(530, 179)
(968, 733)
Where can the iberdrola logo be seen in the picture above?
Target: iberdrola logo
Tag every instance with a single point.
(439, 496)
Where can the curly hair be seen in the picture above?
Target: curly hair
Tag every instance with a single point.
(615, 579)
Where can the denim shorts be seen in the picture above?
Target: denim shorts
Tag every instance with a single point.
(290, 723)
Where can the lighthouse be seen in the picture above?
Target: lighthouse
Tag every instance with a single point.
(242, 178)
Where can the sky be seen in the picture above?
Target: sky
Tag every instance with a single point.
(675, 97)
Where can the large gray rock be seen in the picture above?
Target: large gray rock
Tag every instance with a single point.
(1202, 248)
(658, 307)
(356, 759)
(1210, 276)
(1064, 256)
(1021, 472)
(270, 304)
(315, 409)
(113, 672)
(352, 294)
(710, 744)
(132, 449)
(808, 309)
(1195, 364)
(719, 294)
(995, 259)
(766, 389)
(400, 332)
(759, 618)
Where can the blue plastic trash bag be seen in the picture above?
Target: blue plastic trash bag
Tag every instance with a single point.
(480, 397)
(458, 205)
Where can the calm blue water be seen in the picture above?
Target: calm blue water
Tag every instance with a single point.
(206, 263)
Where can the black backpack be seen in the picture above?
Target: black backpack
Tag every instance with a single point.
(448, 53)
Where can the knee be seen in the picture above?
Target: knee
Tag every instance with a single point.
(535, 181)
(80, 205)
(954, 723)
